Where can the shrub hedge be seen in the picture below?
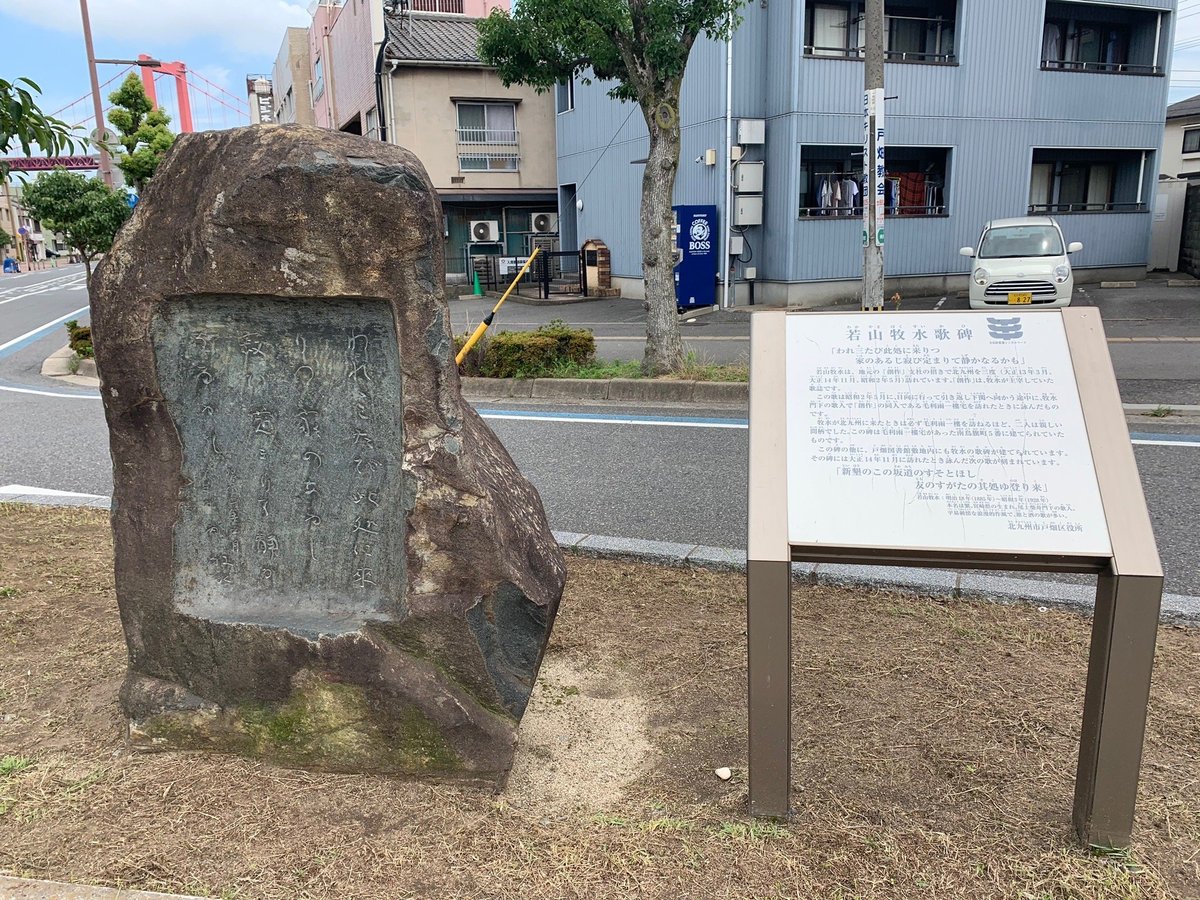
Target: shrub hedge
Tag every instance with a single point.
(80, 339)
(529, 354)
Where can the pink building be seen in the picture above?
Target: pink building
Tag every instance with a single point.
(355, 33)
(325, 16)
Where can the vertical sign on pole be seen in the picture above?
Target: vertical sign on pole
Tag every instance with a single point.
(868, 169)
(879, 181)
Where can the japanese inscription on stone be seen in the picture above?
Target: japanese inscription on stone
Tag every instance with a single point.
(289, 412)
(938, 430)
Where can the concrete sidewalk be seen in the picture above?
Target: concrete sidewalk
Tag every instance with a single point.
(30, 889)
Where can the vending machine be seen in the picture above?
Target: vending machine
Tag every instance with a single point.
(697, 243)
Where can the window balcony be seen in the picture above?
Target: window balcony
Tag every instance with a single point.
(450, 7)
(1088, 181)
(488, 150)
(920, 32)
(1111, 40)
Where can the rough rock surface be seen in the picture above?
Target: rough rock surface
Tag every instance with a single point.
(323, 556)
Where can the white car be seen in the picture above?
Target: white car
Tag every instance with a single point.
(1021, 262)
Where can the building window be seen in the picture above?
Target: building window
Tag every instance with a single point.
(921, 31)
(445, 7)
(1078, 37)
(487, 137)
(1191, 140)
(832, 185)
(1080, 181)
(318, 79)
(564, 95)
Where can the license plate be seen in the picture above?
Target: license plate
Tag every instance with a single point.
(1019, 298)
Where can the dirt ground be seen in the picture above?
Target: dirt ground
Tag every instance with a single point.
(934, 756)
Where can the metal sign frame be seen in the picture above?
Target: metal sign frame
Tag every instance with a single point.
(1128, 590)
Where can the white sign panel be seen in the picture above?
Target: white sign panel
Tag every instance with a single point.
(944, 431)
(510, 265)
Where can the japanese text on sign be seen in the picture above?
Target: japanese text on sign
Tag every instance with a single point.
(938, 430)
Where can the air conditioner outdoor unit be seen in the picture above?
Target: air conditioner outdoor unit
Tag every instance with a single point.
(543, 223)
(485, 231)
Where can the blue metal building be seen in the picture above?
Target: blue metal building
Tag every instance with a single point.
(995, 108)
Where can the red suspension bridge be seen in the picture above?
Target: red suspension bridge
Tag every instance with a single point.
(193, 102)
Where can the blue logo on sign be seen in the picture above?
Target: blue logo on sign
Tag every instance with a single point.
(1004, 329)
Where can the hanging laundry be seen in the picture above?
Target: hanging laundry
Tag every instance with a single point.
(912, 192)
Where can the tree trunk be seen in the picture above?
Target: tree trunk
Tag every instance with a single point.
(664, 345)
(87, 273)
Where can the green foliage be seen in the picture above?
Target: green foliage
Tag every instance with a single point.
(24, 124)
(142, 131)
(11, 765)
(80, 339)
(86, 210)
(6, 239)
(641, 44)
(529, 354)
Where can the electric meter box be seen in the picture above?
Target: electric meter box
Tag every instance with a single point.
(752, 131)
(747, 209)
(749, 178)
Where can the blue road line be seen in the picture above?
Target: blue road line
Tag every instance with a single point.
(601, 418)
(37, 334)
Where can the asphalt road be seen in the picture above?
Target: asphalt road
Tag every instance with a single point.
(1154, 332)
(680, 481)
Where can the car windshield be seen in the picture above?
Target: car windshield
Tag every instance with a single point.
(1021, 240)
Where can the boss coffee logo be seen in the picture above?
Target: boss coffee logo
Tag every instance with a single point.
(700, 235)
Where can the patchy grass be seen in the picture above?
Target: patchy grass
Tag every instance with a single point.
(934, 756)
(1161, 412)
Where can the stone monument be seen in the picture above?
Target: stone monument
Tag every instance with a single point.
(324, 557)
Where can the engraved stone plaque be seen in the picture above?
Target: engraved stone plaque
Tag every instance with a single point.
(289, 415)
(323, 556)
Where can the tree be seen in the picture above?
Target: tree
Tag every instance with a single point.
(642, 45)
(6, 239)
(86, 210)
(23, 123)
(143, 133)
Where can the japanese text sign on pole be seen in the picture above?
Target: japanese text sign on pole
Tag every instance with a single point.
(874, 166)
(975, 440)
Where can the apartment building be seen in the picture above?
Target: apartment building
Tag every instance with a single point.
(993, 109)
(489, 149)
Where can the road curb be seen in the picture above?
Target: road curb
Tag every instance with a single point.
(664, 391)
(639, 390)
(1176, 608)
(58, 365)
(32, 889)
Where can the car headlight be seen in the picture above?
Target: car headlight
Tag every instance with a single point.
(1062, 273)
(982, 276)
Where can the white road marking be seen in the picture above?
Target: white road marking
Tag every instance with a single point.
(35, 332)
(34, 391)
(27, 491)
(594, 420)
(64, 284)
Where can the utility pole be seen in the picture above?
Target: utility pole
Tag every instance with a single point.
(105, 160)
(874, 168)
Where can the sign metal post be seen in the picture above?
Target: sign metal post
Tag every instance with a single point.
(1080, 509)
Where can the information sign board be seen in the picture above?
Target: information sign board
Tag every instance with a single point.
(960, 433)
(972, 440)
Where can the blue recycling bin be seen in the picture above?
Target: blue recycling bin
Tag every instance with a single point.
(10, 265)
